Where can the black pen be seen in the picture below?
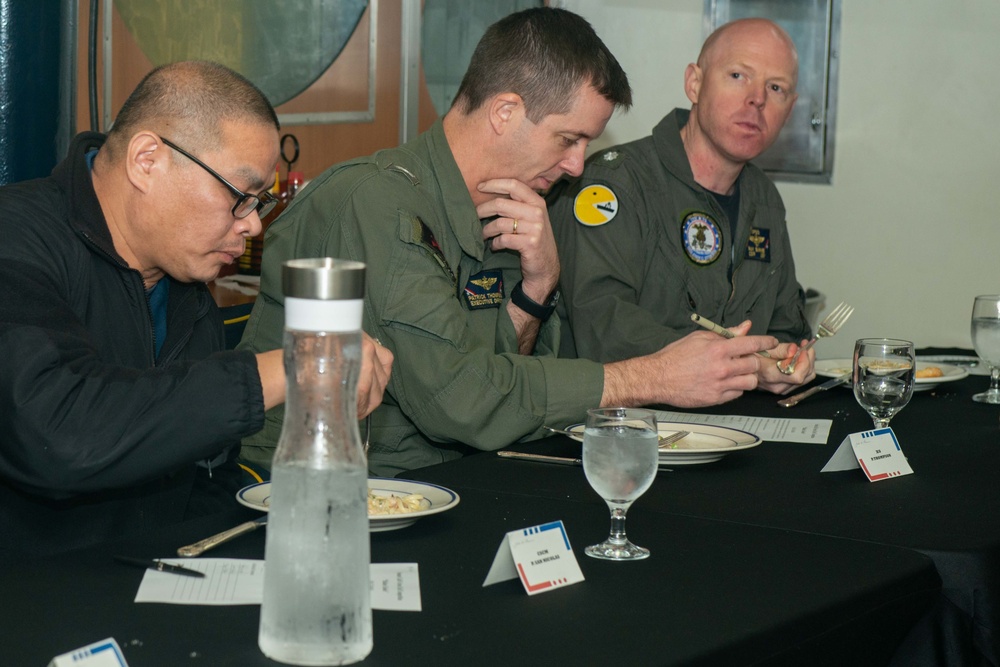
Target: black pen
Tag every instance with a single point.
(159, 565)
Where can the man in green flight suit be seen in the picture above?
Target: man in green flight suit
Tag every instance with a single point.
(679, 222)
(462, 263)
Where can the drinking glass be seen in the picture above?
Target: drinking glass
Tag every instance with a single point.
(620, 457)
(986, 340)
(883, 376)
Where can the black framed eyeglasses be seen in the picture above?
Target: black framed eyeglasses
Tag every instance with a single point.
(246, 203)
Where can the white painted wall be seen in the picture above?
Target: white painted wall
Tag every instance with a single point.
(909, 230)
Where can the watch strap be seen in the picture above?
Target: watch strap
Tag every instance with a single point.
(532, 307)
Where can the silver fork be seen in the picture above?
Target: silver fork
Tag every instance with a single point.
(666, 441)
(828, 327)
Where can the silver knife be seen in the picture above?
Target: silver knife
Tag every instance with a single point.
(198, 548)
(794, 400)
(541, 458)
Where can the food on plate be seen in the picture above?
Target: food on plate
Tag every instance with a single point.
(929, 372)
(884, 365)
(379, 505)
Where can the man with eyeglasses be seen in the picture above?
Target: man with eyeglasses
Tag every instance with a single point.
(119, 408)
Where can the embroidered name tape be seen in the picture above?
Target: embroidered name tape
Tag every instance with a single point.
(485, 289)
(759, 245)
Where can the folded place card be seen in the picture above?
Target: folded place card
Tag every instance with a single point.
(540, 556)
(876, 452)
(105, 653)
(395, 587)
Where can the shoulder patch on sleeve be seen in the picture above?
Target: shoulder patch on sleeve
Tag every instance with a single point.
(595, 205)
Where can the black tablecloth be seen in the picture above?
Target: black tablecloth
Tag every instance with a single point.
(946, 509)
(711, 594)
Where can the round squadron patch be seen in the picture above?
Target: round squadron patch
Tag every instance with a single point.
(595, 205)
(701, 238)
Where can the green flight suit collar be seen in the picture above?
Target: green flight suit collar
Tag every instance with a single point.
(670, 150)
(453, 192)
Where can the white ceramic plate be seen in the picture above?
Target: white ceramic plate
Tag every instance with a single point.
(703, 444)
(970, 363)
(832, 368)
(436, 499)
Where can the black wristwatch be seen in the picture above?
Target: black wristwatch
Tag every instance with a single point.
(528, 305)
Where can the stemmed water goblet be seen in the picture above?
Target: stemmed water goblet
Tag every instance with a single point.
(986, 340)
(883, 375)
(620, 457)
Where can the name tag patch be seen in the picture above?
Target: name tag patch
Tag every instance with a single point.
(485, 289)
(701, 238)
(759, 245)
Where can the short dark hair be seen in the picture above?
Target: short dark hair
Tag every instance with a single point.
(188, 101)
(544, 55)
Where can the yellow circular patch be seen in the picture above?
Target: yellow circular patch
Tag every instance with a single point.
(595, 205)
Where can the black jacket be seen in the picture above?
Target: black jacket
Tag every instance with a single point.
(98, 438)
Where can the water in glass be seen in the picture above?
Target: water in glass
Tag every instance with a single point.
(620, 457)
(986, 340)
(619, 462)
(883, 377)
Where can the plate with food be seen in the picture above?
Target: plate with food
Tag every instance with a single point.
(704, 443)
(973, 364)
(929, 373)
(392, 503)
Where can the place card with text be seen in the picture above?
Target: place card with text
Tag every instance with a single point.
(540, 556)
(105, 653)
(876, 452)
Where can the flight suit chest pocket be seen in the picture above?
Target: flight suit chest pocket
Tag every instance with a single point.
(421, 286)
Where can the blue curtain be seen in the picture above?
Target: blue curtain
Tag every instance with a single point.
(29, 88)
